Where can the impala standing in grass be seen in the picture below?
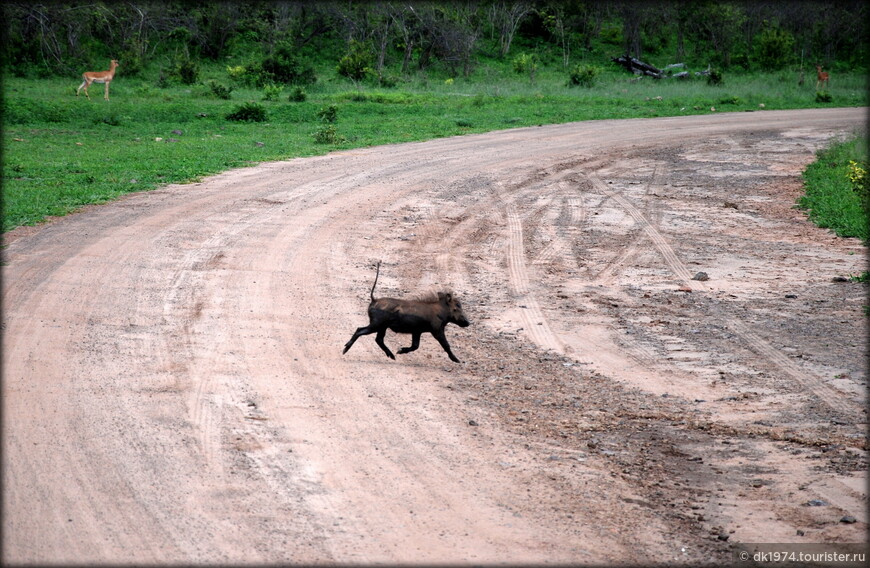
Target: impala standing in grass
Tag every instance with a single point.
(823, 77)
(98, 77)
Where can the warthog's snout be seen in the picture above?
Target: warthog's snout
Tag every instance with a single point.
(415, 317)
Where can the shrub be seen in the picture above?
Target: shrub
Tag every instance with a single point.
(297, 95)
(237, 73)
(583, 75)
(824, 97)
(715, 78)
(283, 67)
(187, 70)
(388, 81)
(328, 135)
(860, 181)
(357, 63)
(774, 49)
(132, 63)
(248, 112)
(272, 92)
(220, 91)
(526, 63)
(328, 114)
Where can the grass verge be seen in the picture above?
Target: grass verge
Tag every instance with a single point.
(833, 200)
(62, 152)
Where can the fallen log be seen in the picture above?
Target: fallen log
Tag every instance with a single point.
(637, 66)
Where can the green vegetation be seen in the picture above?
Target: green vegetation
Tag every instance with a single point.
(207, 87)
(63, 152)
(837, 189)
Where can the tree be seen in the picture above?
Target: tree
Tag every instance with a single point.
(449, 31)
(505, 18)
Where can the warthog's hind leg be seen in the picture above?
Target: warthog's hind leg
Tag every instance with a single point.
(360, 331)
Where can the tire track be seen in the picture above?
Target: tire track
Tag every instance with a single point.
(833, 399)
(608, 274)
(536, 324)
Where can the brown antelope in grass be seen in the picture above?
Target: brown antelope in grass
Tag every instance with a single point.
(823, 77)
(98, 77)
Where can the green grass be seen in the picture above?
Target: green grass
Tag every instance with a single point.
(62, 152)
(830, 200)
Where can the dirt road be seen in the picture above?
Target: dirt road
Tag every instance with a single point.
(174, 388)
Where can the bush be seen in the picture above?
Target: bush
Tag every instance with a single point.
(774, 49)
(272, 92)
(297, 95)
(715, 78)
(526, 63)
(237, 73)
(186, 70)
(248, 112)
(860, 181)
(219, 90)
(283, 67)
(328, 114)
(328, 135)
(824, 97)
(583, 76)
(388, 81)
(356, 65)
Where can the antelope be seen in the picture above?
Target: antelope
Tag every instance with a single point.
(823, 77)
(98, 77)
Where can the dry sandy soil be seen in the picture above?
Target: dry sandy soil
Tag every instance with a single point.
(174, 389)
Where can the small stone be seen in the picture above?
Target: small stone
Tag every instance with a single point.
(800, 532)
(702, 276)
(723, 537)
(472, 422)
(848, 519)
(816, 503)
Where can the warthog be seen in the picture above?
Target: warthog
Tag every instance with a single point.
(426, 315)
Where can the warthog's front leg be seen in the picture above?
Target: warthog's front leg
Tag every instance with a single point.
(415, 343)
(442, 339)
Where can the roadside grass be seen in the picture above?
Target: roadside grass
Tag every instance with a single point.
(830, 200)
(62, 152)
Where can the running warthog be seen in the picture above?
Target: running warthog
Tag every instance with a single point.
(425, 315)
